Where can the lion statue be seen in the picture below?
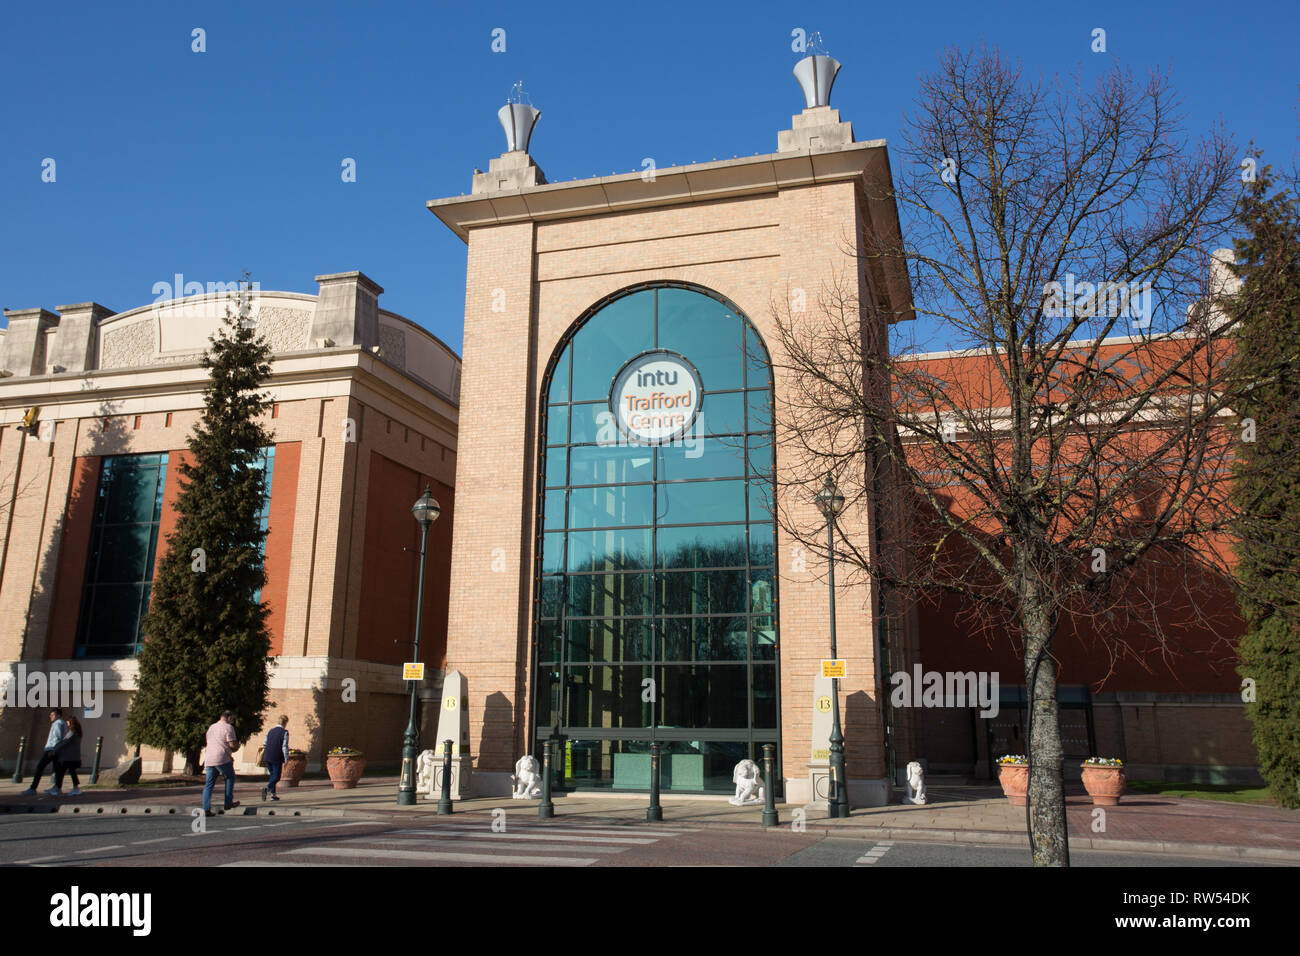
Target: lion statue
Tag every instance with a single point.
(915, 784)
(527, 779)
(749, 784)
(425, 769)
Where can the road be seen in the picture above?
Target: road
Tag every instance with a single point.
(62, 840)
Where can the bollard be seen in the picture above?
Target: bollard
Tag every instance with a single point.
(770, 819)
(654, 813)
(99, 752)
(546, 809)
(444, 802)
(18, 767)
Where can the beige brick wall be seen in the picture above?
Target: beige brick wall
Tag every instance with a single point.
(750, 250)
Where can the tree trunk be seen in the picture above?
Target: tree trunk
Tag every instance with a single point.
(1046, 788)
(192, 762)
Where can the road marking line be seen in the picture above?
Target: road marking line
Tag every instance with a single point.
(534, 828)
(540, 836)
(157, 840)
(277, 863)
(253, 827)
(101, 849)
(499, 843)
(35, 859)
(494, 859)
(356, 823)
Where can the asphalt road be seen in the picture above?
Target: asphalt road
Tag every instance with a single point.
(63, 840)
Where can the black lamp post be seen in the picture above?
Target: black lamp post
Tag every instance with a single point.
(831, 503)
(426, 511)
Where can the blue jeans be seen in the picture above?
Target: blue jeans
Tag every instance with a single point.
(226, 770)
(275, 769)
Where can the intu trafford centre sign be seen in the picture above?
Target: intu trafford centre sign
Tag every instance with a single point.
(656, 397)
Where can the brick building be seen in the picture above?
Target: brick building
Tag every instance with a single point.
(641, 595)
(364, 414)
(641, 591)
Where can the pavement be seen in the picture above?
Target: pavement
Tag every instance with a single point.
(954, 814)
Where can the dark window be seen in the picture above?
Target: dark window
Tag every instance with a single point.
(128, 505)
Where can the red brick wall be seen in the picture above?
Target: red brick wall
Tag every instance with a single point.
(389, 573)
(79, 521)
(171, 491)
(279, 537)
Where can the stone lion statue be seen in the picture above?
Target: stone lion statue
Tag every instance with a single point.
(425, 769)
(527, 779)
(749, 784)
(915, 783)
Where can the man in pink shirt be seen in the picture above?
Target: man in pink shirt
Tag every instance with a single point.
(218, 758)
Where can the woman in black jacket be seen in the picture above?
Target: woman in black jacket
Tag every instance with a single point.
(69, 758)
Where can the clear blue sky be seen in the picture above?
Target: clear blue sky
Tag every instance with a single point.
(210, 163)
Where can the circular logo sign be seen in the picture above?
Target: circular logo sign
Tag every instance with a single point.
(656, 397)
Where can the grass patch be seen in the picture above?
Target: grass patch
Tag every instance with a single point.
(1226, 792)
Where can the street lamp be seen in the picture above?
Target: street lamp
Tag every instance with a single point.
(426, 511)
(830, 502)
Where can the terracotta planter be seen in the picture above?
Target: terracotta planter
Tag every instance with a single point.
(1014, 778)
(294, 768)
(1104, 784)
(345, 771)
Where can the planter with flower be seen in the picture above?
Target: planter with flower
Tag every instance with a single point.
(1013, 774)
(294, 767)
(1103, 778)
(345, 765)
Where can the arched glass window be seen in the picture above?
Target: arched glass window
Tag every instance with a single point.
(656, 613)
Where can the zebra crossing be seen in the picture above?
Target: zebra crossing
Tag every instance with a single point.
(875, 853)
(474, 843)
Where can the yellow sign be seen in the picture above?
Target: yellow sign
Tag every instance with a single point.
(832, 669)
(412, 672)
(821, 755)
(823, 705)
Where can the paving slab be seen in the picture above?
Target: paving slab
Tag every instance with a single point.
(976, 814)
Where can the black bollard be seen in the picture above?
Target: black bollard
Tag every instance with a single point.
(546, 809)
(99, 752)
(654, 813)
(770, 819)
(18, 767)
(444, 802)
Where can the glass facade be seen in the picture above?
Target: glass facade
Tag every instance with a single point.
(128, 506)
(656, 595)
(123, 544)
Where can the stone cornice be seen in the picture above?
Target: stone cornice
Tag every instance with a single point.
(315, 366)
(673, 185)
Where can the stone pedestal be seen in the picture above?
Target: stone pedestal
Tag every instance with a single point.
(453, 725)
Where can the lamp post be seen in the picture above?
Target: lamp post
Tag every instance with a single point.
(831, 503)
(426, 510)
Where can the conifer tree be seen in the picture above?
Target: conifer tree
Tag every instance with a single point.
(1268, 481)
(206, 639)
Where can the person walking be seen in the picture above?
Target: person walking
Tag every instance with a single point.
(274, 754)
(222, 742)
(69, 758)
(58, 729)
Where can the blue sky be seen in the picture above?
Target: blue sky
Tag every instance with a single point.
(206, 164)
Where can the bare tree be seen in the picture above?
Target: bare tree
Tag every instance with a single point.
(1065, 457)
